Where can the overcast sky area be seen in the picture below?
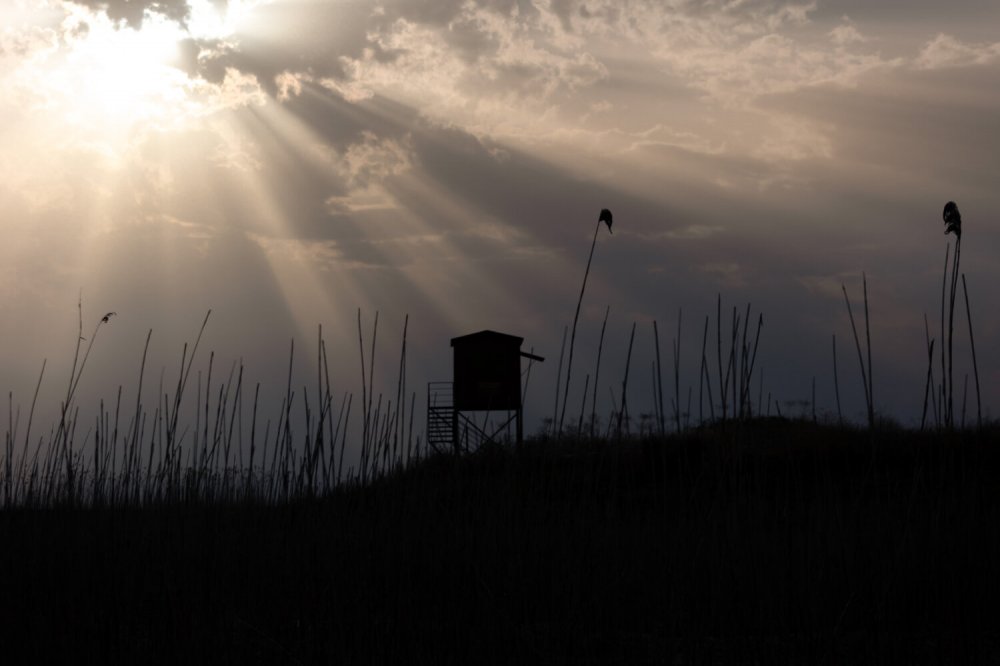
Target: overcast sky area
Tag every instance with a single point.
(287, 162)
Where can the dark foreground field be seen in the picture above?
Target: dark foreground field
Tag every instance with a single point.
(769, 543)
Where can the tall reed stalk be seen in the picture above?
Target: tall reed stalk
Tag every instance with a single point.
(677, 372)
(604, 216)
(703, 378)
(836, 383)
(929, 385)
(658, 382)
(953, 224)
(718, 349)
(942, 390)
(597, 371)
(623, 412)
(556, 432)
(865, 374)
(975, 364)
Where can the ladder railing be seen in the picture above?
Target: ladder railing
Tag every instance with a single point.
(444, 425)
(440, 416)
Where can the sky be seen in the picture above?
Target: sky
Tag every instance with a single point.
(286, 163)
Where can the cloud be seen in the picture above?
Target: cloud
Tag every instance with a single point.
(921, 130)
(133, 12)
(475, 63)
(694, 232)
(736, 73)
(29, 43)
(730, 275)
(945, 51)
(372, 160)
(826, 286)
(513, 69)
(365, 166)
(846, 34)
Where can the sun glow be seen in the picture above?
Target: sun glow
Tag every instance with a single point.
(206, 21)
(105, 79)
(117, 76)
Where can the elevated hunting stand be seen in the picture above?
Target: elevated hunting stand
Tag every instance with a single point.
(486, 378)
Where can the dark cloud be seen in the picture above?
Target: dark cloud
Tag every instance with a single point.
(313, 38)
(928, 12)
(340, 123)
(442, 12)
(469, 40)
(132, 12)
(938, 127)
(187, 57)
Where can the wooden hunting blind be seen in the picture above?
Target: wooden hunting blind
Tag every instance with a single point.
(486, 378)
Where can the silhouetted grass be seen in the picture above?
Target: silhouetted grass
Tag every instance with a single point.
(771, 541)
(149, 456)
(748, 540)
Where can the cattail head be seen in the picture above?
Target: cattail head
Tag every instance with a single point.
(952, 219)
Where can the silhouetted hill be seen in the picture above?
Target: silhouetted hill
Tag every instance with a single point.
(769, 542)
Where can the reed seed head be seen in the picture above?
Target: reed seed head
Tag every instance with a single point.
(605, 217)
(952, 219)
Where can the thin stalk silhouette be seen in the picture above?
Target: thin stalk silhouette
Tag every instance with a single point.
(677, 373)
(928, 387)
(861, 361)
(597, 371)
(953, 224)
(975, 365)
(555, 407)
(623, 413)
(605, 216)
(702, 372)
(941, 390)
(868, 343)
(658, 381)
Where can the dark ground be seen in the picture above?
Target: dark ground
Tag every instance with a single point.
(775, 542)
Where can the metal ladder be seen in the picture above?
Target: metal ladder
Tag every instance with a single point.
(440, 416)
